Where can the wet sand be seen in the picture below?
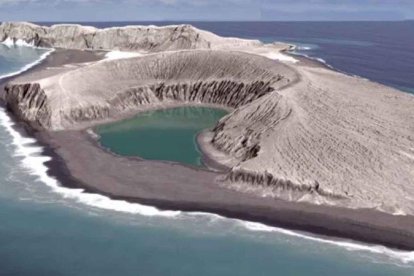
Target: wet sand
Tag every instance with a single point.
(78, 161)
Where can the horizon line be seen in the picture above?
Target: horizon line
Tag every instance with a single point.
(203, 20)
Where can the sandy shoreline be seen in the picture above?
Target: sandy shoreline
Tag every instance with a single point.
(78, 163)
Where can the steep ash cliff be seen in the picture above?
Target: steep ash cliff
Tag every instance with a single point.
(132, 38)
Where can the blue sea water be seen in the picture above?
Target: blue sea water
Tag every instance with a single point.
(46, 229)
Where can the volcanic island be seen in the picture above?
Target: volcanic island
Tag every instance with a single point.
(302, 147)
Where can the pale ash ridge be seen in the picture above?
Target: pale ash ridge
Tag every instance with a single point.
(138, 38)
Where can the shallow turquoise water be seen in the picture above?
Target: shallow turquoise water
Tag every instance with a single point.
(45, 230)
(166, 134)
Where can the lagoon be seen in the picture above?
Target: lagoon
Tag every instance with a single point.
(165, 134)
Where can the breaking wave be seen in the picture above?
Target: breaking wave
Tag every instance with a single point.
(33, 160)
(20, 43)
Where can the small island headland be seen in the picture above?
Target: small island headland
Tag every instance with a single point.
(302, 147)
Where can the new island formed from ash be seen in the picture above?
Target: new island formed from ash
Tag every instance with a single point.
(303, 146)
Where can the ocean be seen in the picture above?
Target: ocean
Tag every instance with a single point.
(47, 229)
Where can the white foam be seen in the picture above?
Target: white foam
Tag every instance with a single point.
(35, 163)
(276, 55)
(19, 42)
(320, 60)
(9, 42)
(306, 47)
(113, 55)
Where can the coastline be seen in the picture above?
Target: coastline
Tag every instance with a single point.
(363, 225)
(332, 222)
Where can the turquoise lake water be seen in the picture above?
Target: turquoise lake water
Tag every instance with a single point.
(166, 134)
(49, 230)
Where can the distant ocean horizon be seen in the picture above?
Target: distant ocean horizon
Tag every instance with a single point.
(47, 229)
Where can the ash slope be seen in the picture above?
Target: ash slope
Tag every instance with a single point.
(297, 132)
(341, 140)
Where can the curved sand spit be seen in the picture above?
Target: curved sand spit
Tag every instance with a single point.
(296, 132)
